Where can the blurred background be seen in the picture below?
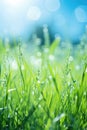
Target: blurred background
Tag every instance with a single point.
(65, 18)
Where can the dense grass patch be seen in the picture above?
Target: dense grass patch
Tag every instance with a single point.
(45, 89)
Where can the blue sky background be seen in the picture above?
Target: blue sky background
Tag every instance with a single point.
(67, 18)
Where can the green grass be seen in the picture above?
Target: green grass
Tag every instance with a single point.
(45, 89)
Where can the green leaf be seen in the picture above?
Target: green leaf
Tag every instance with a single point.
(54, 45)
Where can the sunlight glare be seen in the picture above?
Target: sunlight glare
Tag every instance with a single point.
(14, 3)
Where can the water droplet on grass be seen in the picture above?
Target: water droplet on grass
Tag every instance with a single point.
(50, 77)
(22, 67)
(77, 67)
(51, 57)
(39, 106)
(46, 50)
(14, 65)
(11, 90)
(40, 98)
(32, 92)
(59, 117)
(39, 54)
(70, 59)
(36, 62)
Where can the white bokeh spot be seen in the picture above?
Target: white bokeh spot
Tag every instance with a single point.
(52, 5)
(81, 14)
(34, 13)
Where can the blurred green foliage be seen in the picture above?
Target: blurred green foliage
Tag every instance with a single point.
(43, 89)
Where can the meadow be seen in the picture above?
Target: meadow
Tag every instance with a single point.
(43, 87)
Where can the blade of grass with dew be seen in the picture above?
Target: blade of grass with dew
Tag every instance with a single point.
(53, 78)
(54, 45)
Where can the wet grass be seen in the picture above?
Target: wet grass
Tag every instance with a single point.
(45, 89)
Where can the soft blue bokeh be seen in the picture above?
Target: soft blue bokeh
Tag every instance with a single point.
(67, 18)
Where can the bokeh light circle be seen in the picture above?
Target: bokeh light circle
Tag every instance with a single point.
(52, 5)
(80, 14)
(34, 13)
